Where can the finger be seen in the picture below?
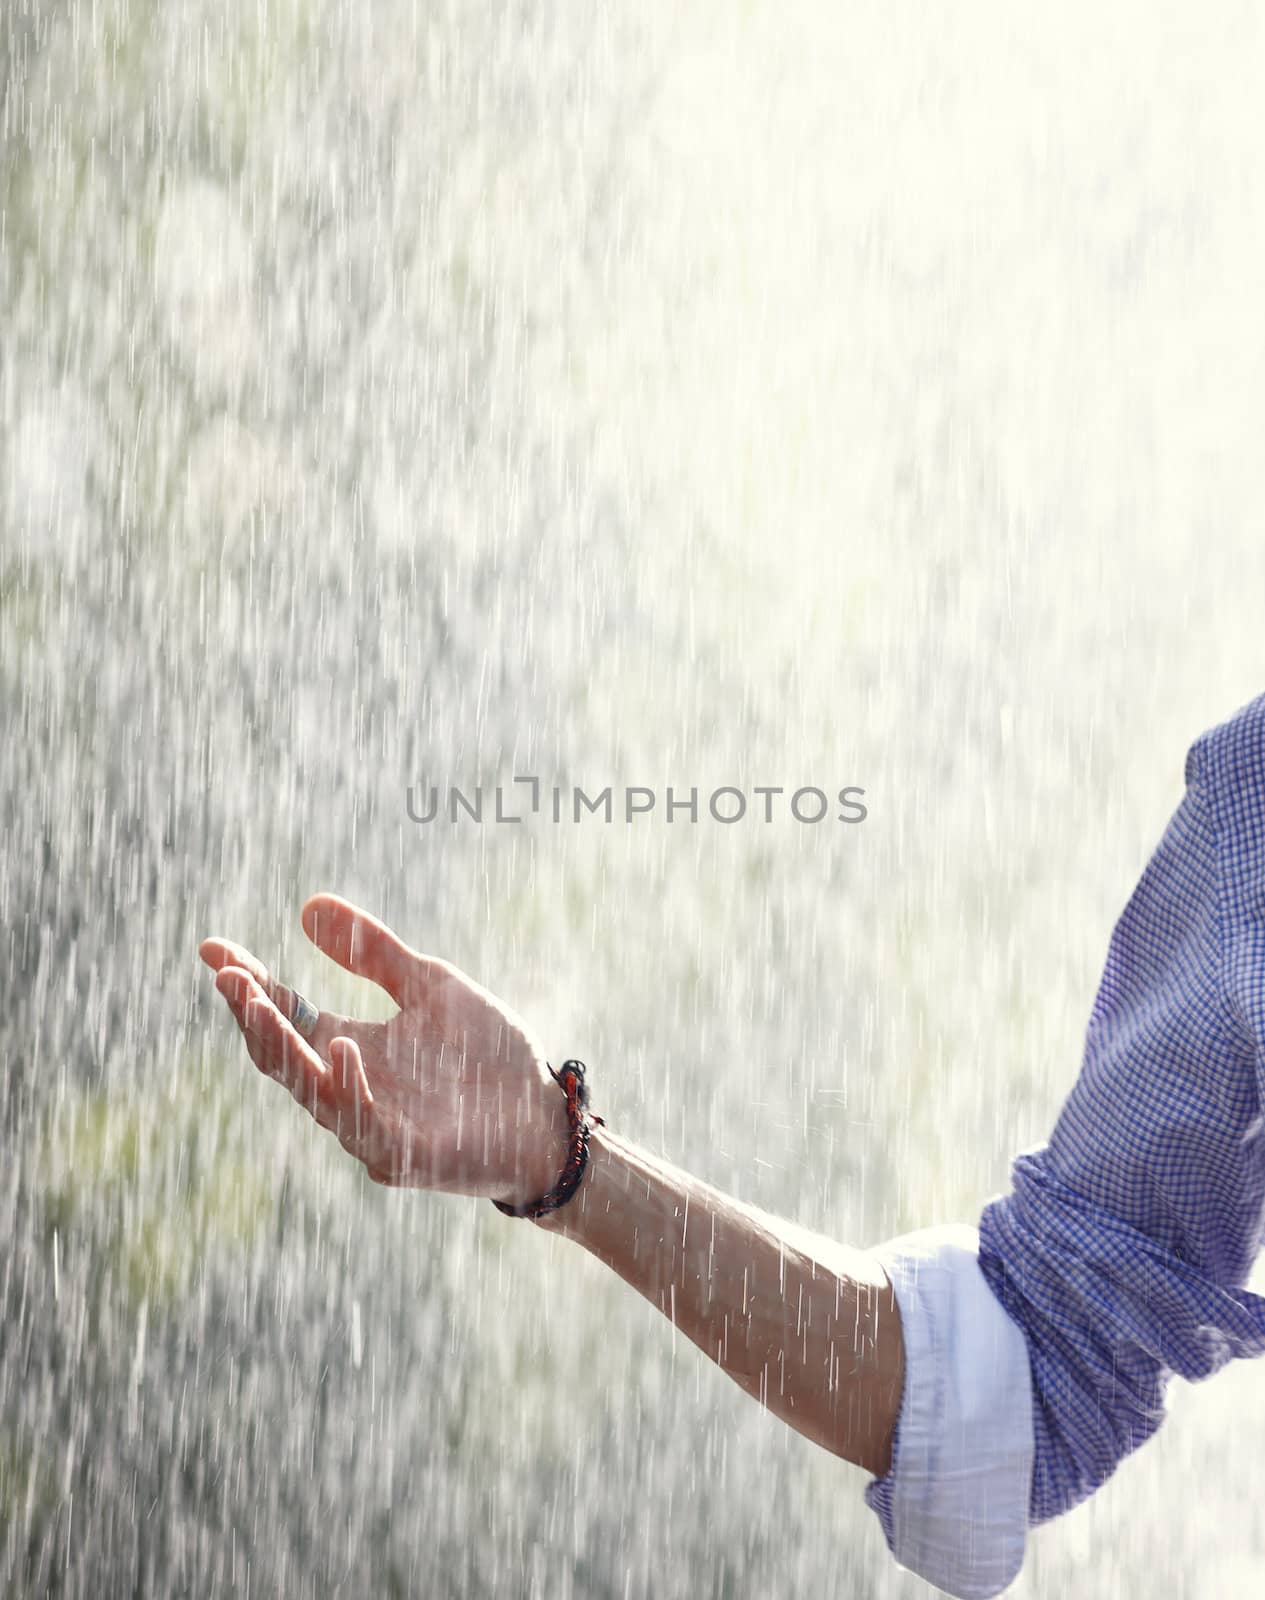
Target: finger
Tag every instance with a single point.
(349, 1071)
(317, 1099)
(223, 955)
(281, 1052)
(363, 945)
(350, 1084)
(255, 1046)
(220, 954)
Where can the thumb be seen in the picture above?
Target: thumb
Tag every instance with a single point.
(362, 945)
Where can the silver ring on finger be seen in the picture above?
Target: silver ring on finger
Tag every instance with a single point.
(303, 1014)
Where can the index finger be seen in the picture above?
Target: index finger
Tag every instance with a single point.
(364, 946)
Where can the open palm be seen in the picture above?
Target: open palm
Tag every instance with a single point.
(453, 1093)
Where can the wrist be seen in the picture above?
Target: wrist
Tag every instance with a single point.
(536, 1149)
(590, 1210)
(551, 1180)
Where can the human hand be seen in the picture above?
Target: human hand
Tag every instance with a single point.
(453, 1093)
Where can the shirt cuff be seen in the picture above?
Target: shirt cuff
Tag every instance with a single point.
(954, 1503)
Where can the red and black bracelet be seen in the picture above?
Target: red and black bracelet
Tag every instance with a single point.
(579, 1121)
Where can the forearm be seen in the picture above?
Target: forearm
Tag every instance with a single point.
(802, 1324)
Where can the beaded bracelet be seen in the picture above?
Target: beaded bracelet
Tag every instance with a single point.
(579, 1121)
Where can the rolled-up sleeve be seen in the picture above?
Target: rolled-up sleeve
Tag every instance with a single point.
(954, 1503)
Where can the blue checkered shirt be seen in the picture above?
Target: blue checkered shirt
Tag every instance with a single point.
(1123, 1248)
